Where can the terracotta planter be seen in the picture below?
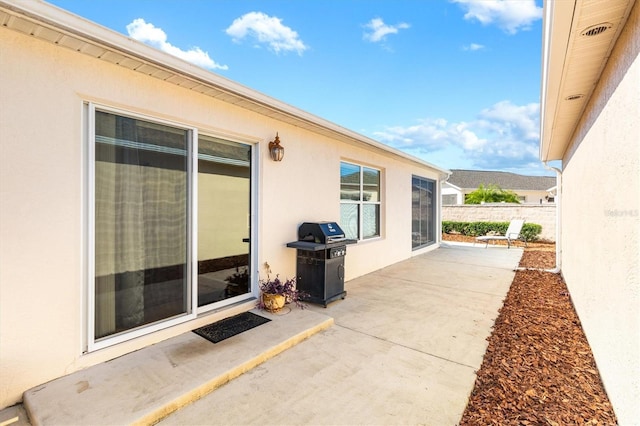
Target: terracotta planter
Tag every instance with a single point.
(273, 302)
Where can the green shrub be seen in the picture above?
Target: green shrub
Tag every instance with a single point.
(530, 231)
(491, 194)
(447, 227)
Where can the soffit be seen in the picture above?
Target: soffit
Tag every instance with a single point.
(89, 44)
(49, 23)
(573, 62)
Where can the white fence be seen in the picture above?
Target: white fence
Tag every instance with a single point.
(542, 214)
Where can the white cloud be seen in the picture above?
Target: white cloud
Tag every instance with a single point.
(378, 30)
(503, 136)
(473, 47)
(510, 15)
(266, 30)
(147, 33)
(523, 121)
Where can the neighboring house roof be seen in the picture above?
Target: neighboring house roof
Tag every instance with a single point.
(472, 179)
(577, 41)
(57, 26)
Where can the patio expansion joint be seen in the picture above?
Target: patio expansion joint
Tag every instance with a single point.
(478, 265)
(463, 290)
(406, 347)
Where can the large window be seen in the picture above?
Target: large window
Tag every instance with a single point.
(147, 216)
(359, 201)
(423, 212)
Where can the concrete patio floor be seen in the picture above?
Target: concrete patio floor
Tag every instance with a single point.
(402, 348)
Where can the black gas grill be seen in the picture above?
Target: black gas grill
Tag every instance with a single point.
(321, 248)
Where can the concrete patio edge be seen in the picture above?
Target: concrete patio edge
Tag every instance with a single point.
(128, 382)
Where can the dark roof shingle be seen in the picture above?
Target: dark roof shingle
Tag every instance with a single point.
(472, 179)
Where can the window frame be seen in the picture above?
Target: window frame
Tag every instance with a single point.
(361, 202)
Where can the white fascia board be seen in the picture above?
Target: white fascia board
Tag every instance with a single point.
(452, 186)
(557, 22)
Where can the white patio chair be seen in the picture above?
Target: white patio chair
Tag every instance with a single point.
(512, 234)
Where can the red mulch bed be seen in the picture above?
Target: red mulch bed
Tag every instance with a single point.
(538, 368)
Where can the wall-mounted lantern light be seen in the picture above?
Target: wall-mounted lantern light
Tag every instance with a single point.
(276, 150)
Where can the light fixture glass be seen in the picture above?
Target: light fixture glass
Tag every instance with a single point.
(276, 150)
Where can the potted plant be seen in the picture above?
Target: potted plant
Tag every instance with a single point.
(275, 293)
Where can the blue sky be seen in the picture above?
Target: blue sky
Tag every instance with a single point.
(454, 82)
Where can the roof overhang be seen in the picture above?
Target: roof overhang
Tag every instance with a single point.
(457, 188)
(57, 26)
(578, 37)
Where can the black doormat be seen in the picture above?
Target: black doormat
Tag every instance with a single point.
(228, 327)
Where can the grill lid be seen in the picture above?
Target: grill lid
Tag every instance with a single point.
(321, 232)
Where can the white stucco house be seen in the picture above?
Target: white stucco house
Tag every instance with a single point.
(133, 185)
(451, 194)
(591, 123)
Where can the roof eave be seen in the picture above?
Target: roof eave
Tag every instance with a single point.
(51, 16)
(558, 16)
(578, 39)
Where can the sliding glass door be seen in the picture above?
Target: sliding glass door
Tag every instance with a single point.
(141, 208)
(423, 212)
(171, 224)
(224, 206)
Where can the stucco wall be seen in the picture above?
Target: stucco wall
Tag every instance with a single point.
(43, 186)
(544, 215)
(600, 226)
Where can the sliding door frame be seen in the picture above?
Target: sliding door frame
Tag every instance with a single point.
(192, 311)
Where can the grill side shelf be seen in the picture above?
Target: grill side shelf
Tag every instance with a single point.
(307, 245)
(312, 246)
